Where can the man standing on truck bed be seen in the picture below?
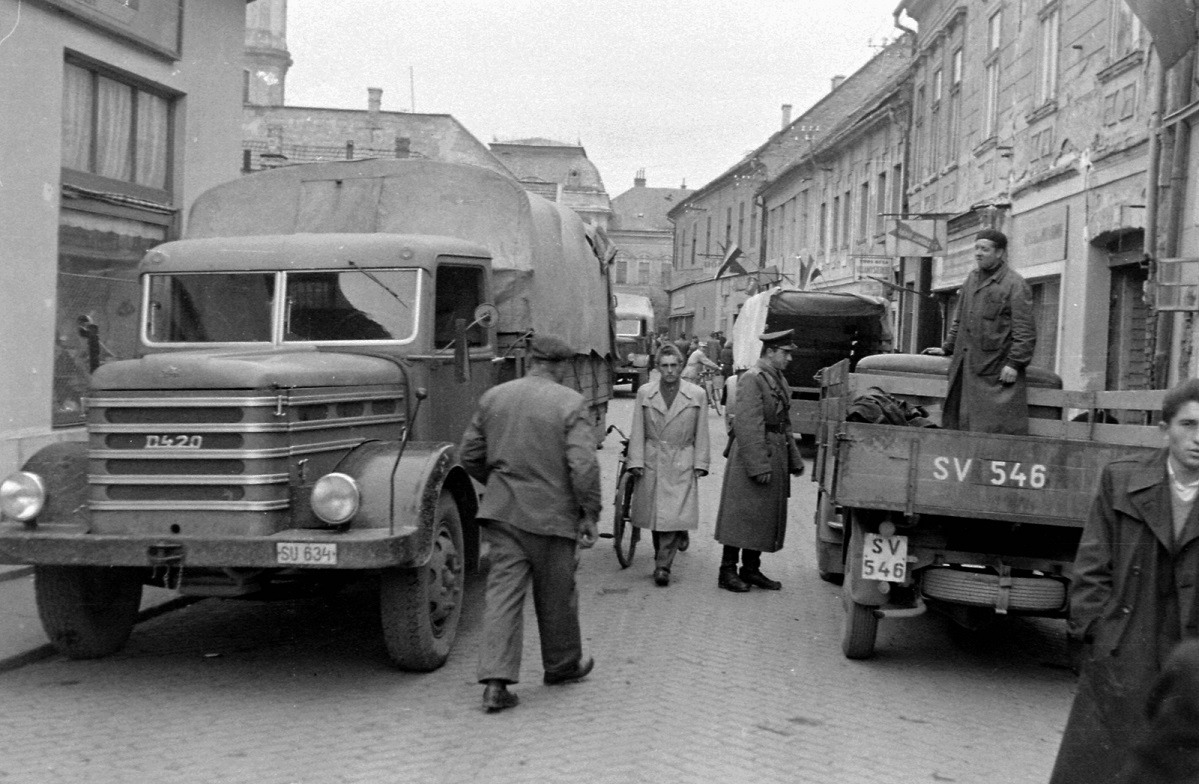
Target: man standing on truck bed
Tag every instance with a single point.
(531, 444)
(757, 482)
(1134, 595)
(991, 341)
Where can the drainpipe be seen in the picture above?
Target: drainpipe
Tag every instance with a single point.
(1161, 325)
(1178, 181)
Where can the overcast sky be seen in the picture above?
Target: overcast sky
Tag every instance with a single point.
(681, 88)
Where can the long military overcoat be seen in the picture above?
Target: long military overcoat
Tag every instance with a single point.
(669, 443)
(993, 327)
(754, 516)
(1134, 597)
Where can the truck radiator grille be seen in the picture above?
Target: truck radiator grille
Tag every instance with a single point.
(225, 452)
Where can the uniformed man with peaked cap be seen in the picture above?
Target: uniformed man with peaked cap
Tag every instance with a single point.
(757, 478)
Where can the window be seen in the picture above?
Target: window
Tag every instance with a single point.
(955, 70)
(845, 220)
(644, 272)
(1126, 30)
(664, 276)
(708, 238)
(1047, 60)
(803, 220)
(864, 211)
(936, 85)
(753, 226)
(793, 229)
(991, 109)
(694, 241)
(823, 228)
(728, 228)
(459, 291)
(918, 134)
(622, 272)
(741, 225)
(836, 224)
(115, 129)
(880, 199)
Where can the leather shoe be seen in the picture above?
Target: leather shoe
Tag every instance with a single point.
(731, 582)
(684, 541)
(577, 673)
(757, 579)
(496, 697)
(662, 576)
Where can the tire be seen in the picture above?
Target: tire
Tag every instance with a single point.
(420, 607)
(859, 630)
(830, 556)
(87, 611)
(714, 398)
(624, 534)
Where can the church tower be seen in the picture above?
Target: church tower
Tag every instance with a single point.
(266, 57)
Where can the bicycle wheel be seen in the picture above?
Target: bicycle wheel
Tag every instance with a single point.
(624, 533)
(715, 398)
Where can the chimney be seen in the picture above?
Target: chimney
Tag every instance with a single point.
(374, 100)
(838, 81)
(639, 180)
(786, 114)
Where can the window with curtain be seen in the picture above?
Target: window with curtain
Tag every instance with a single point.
(114, 128)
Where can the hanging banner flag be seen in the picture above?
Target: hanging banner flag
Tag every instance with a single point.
(1171, 23)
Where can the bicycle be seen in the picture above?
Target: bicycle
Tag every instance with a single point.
(707, 379)
(624, 533)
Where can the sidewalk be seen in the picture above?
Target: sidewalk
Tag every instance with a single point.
(22, 640)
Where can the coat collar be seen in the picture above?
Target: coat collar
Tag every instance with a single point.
(689, 394)
(1149, 497)
(994, 278)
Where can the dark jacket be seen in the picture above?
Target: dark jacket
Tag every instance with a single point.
(530, 442)
(1169, 751)
(993, 327)
(751, 515)
(1133, 598)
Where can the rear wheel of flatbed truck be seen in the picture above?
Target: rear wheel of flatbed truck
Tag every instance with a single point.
(859, 630)
(830, 556)
(87, 611)
(420, 607)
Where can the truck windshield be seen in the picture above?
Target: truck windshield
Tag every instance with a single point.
(351, 305)
(210, 307)
(629, 328)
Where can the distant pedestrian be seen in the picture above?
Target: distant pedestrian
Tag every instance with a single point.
(757, 478)
(668, 453)
(683, 344)
(726, 370)
(530, 442)
(991, 341)
(696, 361)
(1134, 594)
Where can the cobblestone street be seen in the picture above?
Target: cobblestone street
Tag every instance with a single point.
(692, 684)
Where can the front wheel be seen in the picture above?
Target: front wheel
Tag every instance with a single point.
(420, 607)
(625, 535)
(87, 611)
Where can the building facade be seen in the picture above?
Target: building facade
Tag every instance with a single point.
(644, 240)
(1033, 118)
(119, 115)
(560, 172)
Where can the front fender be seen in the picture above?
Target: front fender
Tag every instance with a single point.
(407, 506)
(63, 469)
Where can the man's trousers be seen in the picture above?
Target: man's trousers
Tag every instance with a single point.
(519, 558)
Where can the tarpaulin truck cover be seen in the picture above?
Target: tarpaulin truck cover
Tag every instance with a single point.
(546, 276)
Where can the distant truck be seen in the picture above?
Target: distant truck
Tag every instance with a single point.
(828, 327)
(634, 339)
(272, 433)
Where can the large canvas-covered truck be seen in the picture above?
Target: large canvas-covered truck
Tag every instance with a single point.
(310, 355)
(634, 339)
(828, 327)
(974, 525)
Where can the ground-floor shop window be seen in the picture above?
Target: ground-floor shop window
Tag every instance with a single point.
(97, 300)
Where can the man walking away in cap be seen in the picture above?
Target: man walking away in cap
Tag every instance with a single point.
(531, 444)
(757, 477)
(991, 341)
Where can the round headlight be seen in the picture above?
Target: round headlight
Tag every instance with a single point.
(335, 498)
(22, 496)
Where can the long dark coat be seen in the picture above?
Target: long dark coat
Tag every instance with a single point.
(669, 443)
(1134, 597)
(993, 327)
(754, 516)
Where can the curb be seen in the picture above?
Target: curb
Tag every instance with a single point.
(47, 650)
(15, 573)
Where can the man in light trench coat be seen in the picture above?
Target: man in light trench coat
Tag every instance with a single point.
(1135, 594)
(991, 340)
(757, 478)
(668, 453)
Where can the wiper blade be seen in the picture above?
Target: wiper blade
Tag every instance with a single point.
(378, 282)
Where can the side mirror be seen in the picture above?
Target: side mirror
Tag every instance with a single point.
(461, 352)
(486, 315)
